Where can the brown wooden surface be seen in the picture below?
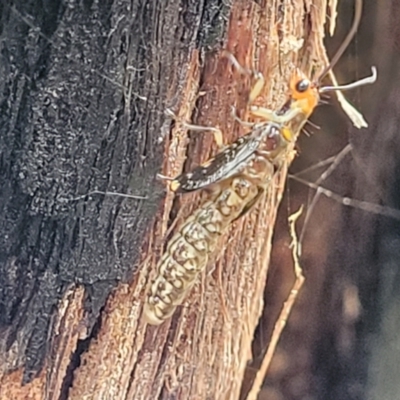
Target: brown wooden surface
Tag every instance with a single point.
(94, 349)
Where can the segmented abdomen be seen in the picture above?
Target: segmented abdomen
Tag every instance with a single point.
(188, 251)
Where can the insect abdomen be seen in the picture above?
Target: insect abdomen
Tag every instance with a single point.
(188, 251)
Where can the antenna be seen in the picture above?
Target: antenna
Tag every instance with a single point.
(365, 81)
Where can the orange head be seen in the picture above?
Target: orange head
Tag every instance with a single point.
(304, 93)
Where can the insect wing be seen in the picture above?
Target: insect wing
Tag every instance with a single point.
(225, 164)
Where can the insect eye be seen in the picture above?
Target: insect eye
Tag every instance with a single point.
(302, 85)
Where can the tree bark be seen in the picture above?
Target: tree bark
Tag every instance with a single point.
(85, 89)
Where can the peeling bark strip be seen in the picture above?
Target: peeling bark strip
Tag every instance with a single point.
(88, 87)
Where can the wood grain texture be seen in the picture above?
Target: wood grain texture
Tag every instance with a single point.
(73, 320)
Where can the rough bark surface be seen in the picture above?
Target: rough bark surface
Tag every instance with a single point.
(85, 86)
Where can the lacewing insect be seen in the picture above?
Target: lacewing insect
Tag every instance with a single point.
(238, 176)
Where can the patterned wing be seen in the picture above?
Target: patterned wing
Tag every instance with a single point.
(231, 161)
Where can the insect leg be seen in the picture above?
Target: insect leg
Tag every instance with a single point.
(258, 76)
(238, 119)
(285, 312)
(198, 128)
(270, 115)
(215, 131)
(264, 113)
(257, 87)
